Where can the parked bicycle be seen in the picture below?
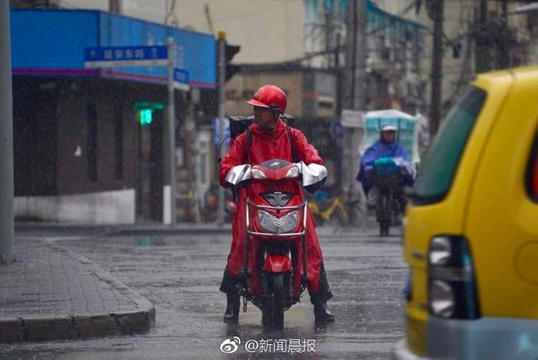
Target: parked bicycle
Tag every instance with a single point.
(343, 209)
(209, 208)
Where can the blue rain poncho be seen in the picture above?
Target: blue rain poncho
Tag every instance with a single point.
(382, 149)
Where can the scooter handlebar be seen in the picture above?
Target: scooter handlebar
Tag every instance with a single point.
(312, 176)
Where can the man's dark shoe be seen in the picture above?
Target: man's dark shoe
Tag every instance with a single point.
(322, 313)
(231, 315)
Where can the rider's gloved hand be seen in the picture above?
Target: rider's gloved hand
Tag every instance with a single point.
(238, 174)
(314, 175)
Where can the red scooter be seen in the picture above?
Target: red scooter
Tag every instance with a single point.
(275, 240)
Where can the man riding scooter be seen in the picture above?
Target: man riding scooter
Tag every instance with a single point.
(386, 148)
(269, 137)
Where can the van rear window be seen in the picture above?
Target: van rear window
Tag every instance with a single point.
(442, 158)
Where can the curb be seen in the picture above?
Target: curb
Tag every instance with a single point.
(57, 229)
(81, 326)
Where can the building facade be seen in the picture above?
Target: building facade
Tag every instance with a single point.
(92, 144)
(299, 45)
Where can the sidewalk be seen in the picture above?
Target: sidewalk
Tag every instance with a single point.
(51, 293)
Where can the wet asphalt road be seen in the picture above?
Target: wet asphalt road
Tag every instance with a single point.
(180, 275)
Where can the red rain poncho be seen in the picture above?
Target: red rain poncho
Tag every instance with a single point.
(265, 146)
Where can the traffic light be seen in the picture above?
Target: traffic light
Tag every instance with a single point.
(145, 112)
(229, 53)
(146, 117)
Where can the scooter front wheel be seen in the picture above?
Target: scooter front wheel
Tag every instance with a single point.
(273, 311)
(384, 213)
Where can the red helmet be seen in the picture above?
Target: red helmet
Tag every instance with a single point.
(270, 96)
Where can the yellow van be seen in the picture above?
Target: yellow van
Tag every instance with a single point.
(471, 231)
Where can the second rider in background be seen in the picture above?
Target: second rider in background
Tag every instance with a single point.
(386, 147)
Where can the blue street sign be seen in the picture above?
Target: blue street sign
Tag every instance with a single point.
(181, 76)
(336, 130)
(181, 79)
(126, 56)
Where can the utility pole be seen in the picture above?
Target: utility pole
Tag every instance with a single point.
(482, 52)
(338, 74)
(437, 15)
(209, 20)
(504, 48)
(329, 31)
(355, 86)
(172, 130)
(221, 81)
(6, 140)
(361, 53)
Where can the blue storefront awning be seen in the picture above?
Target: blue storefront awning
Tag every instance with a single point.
(52, 43)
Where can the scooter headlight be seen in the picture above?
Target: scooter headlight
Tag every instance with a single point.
(293, 172)
(278, 225)
(257, 174)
